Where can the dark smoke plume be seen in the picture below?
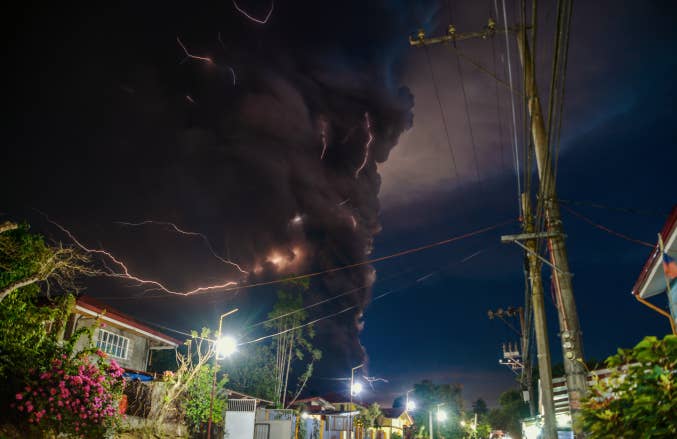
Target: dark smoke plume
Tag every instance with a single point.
(138, 135)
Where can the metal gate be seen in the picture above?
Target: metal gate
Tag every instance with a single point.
(261, 431)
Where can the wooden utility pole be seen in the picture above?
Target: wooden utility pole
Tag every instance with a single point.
(524, 363)
(570, 333)
(568, 316)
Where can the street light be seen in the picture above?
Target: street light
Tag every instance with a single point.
(355, 388)
(223, 347)
(410, 405)
(441, 417)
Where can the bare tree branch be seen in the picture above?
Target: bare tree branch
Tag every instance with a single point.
(7, 226)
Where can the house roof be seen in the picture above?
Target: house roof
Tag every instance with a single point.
(651, 280)
(392, 412)
(321, 402)
(234, 394)
(91, 306)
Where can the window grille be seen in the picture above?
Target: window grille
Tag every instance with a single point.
(113, 344)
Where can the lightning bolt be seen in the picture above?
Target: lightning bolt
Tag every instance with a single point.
(123, 272)
(370, 139)
(223, 46)
(177, 229)
(252, 18)
(191, 56)
(372, 380)
(323, 136)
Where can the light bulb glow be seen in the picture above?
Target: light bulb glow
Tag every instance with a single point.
(225, 347)
(411, 405)
(356, 388)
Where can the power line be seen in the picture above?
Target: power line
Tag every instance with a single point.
(344, 267)
(444, 118)
(329, 299)
(512, 98)
(467, 115)
(644, 212)
(608, 230)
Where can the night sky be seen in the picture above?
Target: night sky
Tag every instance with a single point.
(108, 121)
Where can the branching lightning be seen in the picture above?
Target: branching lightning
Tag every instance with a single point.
(323, 136)
(223, 46)
(123, 272)
(177, 229)
(372, 380)
(191, 56)
(252, 18)
(367, 146)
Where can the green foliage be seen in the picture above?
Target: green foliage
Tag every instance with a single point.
(368, 416)
(639, 399)
(252, 371)
(508, 417)
(196, 400)
(21, 255)
(77, 396)
(395, 435)
(293, 344)
(427, 396)
(25, 342)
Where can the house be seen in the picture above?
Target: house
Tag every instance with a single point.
(314, 405)
(653, 280)
(127, 341)
(393, 421)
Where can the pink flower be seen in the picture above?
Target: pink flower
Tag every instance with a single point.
(19, 396)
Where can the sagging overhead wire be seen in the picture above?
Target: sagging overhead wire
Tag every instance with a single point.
(337, 296)
(442, 114)
(343, 267)
(606, 229)
(512, 97)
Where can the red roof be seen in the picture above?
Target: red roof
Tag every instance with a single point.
(669, 229)
(113, 314)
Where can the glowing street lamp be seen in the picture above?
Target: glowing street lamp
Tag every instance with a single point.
(223, 347)
(356, 388)
(410, 405)
(441, 416)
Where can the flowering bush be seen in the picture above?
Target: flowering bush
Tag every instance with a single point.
(77, 396)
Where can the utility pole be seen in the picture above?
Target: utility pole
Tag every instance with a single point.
(515, 363)
(572, 344)
(571, 338)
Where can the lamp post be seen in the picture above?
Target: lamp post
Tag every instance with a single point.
(441, 416)
(409, 405)
(356, 389)
(223, 347)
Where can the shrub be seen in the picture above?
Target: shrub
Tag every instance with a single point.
(77, 396)
(639, 399)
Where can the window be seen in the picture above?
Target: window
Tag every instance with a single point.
(113, 344)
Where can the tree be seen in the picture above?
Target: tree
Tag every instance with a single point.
(292, 345)
(253, 372)
(369, 416)
(639, 398)
(430, 397)
(199, 350)
(196, 404)
(480, 407)
(26, 260)
(508, 417)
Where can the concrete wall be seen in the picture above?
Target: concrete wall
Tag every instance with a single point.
(138, 345)
(239, 425)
